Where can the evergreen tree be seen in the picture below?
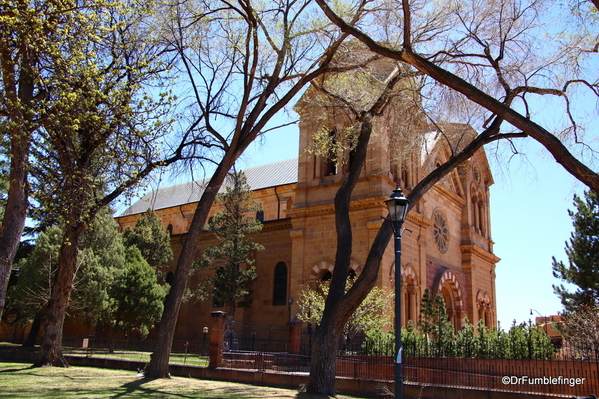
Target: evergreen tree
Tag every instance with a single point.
(138, 295)
(100, 261)
(582, 251)
(434, 323)
(151, 239)
(233, 255)
(27, 299)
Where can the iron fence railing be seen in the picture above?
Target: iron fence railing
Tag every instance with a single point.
(568, 371)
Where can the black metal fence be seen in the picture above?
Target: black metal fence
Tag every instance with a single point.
(251, 337)
(567, 371)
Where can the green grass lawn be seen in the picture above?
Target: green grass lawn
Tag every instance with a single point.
(138, 356)
(19, 380)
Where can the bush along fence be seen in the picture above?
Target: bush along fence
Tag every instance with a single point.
(522, 359)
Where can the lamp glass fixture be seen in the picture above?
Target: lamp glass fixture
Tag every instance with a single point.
(398, 206)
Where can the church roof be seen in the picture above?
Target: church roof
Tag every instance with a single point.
(259, 177)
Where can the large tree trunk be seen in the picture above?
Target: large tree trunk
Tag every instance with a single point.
(51, 344)
(158, 366)
(328, 334)
(18, 89)
(15, 213)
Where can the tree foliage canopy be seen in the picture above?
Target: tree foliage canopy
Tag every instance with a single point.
(100, 261)
(582, 269)
(435, 336)
(233, 255)
(372, 314)
(139, 297)
(150, 237)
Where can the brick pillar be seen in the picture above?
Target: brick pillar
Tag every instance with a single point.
(295, 337)
(217, 339)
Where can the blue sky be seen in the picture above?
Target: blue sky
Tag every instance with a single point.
(530, 222)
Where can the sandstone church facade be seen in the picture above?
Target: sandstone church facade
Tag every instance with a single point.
(448, 249)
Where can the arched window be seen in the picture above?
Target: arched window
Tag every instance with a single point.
(326, 276)
(170, 278)
(260, 216)
(280, 285)
(170, 229)
(352, 275)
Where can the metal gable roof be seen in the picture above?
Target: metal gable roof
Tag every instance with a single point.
(269, 175)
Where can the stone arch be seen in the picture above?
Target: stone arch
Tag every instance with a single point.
(448, 286)
(407, 272)
(484, 307)
(478, 209)
(327, 265)
(409, 291)
(321, 267)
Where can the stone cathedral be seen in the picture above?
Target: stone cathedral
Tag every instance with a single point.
(448, 249)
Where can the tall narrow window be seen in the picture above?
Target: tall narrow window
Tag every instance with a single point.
(280, 285)
(330, 168)
(331, 164)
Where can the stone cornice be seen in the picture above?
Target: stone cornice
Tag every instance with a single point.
(419, 219)
(481, 253)
(268, 225)
(362, 203)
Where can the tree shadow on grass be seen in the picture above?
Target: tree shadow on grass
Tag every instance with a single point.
(136, 386)
(304, 395)
(19, 369)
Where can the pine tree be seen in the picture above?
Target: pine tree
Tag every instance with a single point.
(151, 239)
(100, 261)
(582, 251)
(233, 255)
(434, 323)
(138, 295)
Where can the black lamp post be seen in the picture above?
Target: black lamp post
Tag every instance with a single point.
(205, 331)
(398, 206)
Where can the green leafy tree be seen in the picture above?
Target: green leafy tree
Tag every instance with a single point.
(101, 260)
(30, 295)
(372, 314)
(233, 255)
(103, 129)
(582, 269)
(138, 295)
(150, 237)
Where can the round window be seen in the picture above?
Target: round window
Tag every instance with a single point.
(440, 231)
